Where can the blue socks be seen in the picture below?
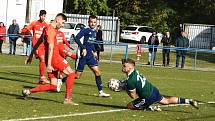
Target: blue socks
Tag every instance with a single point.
(98, 82)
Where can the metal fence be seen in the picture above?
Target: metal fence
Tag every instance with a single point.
(110, 25)
(200, 35)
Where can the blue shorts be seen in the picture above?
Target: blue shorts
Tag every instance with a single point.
(88, 59)
(146, 102)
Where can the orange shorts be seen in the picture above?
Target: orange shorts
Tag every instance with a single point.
(59, 64)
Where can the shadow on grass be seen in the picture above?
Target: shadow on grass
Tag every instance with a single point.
(20, 74)
(28, 98)
(25, 74)
(105, 105)
(124, 107)
(12, 79)
(200, 118)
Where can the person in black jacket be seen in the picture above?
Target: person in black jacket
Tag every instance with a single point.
(153, 42)
(166, 40)
(13, 32)
(182, 43)
(99, 47)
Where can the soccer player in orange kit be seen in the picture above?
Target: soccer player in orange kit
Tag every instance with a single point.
(55, 62)
(37, 28)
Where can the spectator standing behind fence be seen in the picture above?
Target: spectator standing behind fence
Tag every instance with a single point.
(153, 42)
(13, 32)
(166, 40)
(26, 39)
(99, 47)
(2, 35)
(182, 43)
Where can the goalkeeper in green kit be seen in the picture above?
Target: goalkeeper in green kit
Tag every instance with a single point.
(144, 93)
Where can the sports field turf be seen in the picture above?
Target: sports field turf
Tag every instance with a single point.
(47, 106)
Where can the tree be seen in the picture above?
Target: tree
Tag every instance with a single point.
(96, 7)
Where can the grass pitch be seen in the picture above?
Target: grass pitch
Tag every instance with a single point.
(47, 106)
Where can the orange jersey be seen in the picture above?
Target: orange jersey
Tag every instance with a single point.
(58, 62)
(37, 28)
(51, 37)
(60, 37)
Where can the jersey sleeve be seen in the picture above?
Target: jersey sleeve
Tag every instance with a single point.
(31, 25)
(130, 84)
(78, 37)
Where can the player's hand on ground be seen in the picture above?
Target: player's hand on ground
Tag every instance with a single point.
(50, 68)
(84, 52)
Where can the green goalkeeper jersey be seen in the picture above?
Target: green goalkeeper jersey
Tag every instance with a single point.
(137, 81)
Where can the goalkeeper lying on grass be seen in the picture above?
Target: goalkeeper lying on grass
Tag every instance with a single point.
(143, 92)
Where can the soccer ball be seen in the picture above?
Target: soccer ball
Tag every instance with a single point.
(113, 84)
(116, 85)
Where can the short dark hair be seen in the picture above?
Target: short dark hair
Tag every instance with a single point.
(2, 23)
(42, 12)
(62, 15)
(128, 60)
(92, 16)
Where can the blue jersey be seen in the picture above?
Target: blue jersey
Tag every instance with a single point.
(88, 36)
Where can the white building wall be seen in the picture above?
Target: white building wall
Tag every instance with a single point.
(16, 9)
(13, 9)
(52, 7)
(3, 9)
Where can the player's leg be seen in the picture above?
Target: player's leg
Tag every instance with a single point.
(40, 53)
(62, 65)
(142, 104)
(97, 74)
(80, 63)
(69, 85)
(145, 104)
(42, 65)
(178, 100)
(59, 81)
(46, 87)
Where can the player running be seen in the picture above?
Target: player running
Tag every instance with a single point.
(144, 93)
(89, 34)
(37, 28)
(55, 62)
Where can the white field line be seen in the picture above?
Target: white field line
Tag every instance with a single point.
(91, 113)
(67, 115)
